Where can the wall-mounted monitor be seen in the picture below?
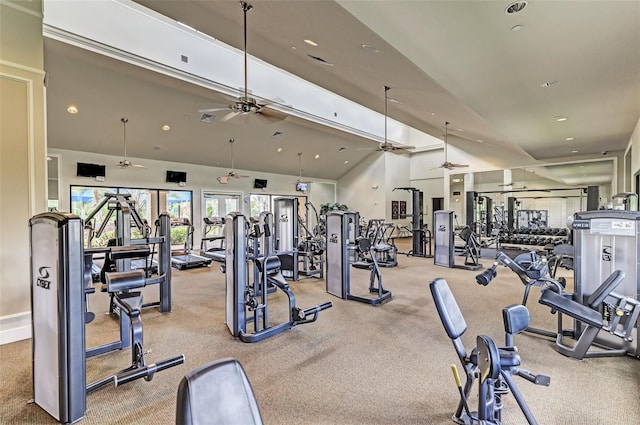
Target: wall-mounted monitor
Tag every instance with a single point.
(302, 186)
(259, 184)
(90, 170)
(176, 176)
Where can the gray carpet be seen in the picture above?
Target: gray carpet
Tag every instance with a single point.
(356, 365)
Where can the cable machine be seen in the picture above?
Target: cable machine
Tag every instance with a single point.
(421, 236)
(247, 313)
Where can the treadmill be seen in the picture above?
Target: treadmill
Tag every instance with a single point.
(187, 260)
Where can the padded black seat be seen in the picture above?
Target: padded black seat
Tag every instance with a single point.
(508, 358)
(217, 393)
(569, 307)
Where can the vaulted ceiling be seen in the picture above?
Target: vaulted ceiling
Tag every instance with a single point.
(502, 81)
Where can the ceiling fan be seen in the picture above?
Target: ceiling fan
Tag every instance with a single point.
(125, 163)
(387, 146)
(300, 179)
(231, 174)
(244, 106)
(446, 164)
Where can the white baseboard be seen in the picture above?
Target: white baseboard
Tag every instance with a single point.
(15, 327)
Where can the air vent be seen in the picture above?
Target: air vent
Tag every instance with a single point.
(515, 7)
(320, 60)
(207, 118)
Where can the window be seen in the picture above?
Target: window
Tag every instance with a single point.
(148, 203)
(216, 207)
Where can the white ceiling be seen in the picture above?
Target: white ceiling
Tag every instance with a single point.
(456, 61)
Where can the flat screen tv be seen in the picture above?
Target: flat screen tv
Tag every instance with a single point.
(302, 186)
(176, 176)
(90, 170)
(259, 184)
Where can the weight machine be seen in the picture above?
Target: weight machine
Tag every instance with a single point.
(286, 235)
(247, 313)
(127, 217)
(58, 282)
(445, 245)
(311, 247)
(421, 236)
(338, 278)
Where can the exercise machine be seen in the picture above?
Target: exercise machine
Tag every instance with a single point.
(493, 368)
(605, 315)
(247, 305)
(627, 201)
(479, 213)
(127, 218)
(338, 276)
(188, 260)
(445, 250)
(286, 234)
(421, 236)
(311, 246)
(378, 233)
(58, 319)
(606, 241)
(212, 243)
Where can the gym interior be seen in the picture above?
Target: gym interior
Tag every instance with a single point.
(327, 212)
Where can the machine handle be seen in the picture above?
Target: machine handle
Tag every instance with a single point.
(147, 372)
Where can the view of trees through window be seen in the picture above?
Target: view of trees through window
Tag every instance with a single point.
(149, 203)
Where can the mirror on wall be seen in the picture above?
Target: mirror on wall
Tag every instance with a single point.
(53, 183)
(555, 191)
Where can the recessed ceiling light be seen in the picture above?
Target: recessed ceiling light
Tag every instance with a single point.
(346, 162)
(72, 109)
(369, 48)
(480, 140)
(516, 28)
(279, 149)
(320, 60)
(560, 119)
(392, 100)
(311, 42)
(293, 47)
(317, 156)
(569, 139)
(166, 127)
(460, 129)
(548, 84)
(433, 113)
(574, 151)
(515, 7)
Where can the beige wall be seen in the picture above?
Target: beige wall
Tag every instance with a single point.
(22, 157)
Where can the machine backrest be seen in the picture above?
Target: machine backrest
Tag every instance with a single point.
(450, 314)
(604, 289)
(516, 319)
(217, 393)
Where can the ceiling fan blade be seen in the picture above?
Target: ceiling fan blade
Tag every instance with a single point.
(138, 166)
(230, 116)
(214, 109)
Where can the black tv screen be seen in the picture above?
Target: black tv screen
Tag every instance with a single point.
(259, 184)
(176, 176)
(90, 170)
